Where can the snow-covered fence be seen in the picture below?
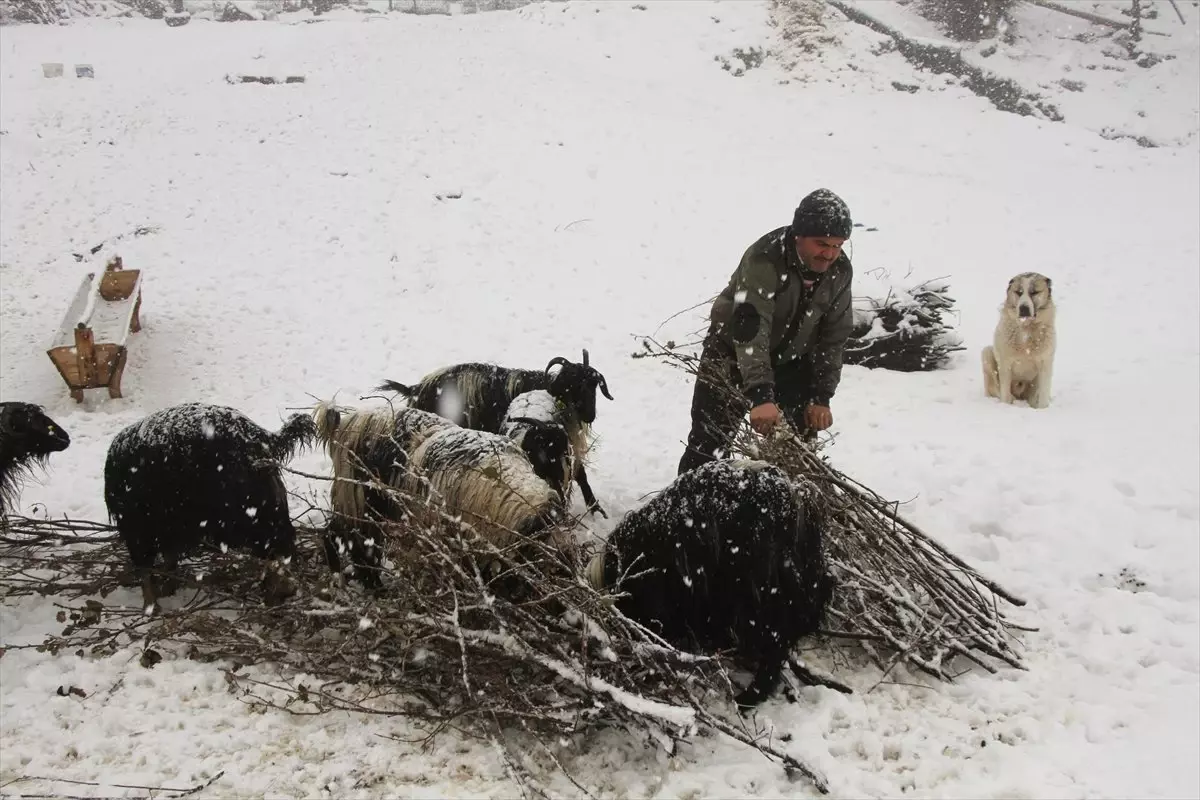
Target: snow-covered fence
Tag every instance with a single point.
(54, 11)
(476, 6)
(456, 6)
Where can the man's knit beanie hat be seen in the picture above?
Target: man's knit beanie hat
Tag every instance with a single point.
(822, 213)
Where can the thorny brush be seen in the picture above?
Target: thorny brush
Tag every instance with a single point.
(900, 595)
(510, 646)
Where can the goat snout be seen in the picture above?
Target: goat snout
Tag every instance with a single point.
(57, 439)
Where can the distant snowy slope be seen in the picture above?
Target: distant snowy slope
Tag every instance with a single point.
(1081, 66)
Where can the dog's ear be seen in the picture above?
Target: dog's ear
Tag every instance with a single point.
(1049, 288)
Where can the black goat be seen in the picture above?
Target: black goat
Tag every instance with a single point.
(728, 556)
(200, 474)
(477, 396)
(27, 438)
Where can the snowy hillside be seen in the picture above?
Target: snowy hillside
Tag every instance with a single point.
(513, 186)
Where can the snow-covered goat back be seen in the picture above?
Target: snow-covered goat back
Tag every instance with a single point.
(733, 558)
(388, 462)
(198, 473)
(28, 437)
(537, 424)
(477, 395)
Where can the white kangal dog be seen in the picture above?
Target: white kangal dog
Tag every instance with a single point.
(1019, 364)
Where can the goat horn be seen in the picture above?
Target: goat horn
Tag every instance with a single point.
(556, 360)
(603, 385)
(585, 357)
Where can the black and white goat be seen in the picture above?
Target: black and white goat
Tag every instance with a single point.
(728, 556)
(201, 474)
(479, 396)
(27, 439)
(484, 478)
(544, 429)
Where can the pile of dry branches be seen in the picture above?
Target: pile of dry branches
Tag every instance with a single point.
(512, 646)
(904, 331)
(900, 594)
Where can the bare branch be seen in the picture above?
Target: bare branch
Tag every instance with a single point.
(506, 644)
(901, 595)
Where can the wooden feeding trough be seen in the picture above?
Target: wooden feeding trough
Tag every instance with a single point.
(89, 349)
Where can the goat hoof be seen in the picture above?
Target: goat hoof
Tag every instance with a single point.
(277, 588)
(168, 585)
(596, 509)
(748, 700)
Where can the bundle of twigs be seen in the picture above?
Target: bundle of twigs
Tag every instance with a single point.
(512, 645)
(900, 594)
(36, 558)
(904, 331)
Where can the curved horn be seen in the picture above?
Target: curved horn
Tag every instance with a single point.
(603, 383)
(557, 360)
(585, 357)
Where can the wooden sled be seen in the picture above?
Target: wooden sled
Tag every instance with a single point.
(90, 349)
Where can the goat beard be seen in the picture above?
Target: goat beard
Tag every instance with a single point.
(15, 474)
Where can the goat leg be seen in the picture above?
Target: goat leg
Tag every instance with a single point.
(362, 552)
(766, 680)
(589, 497)
(808, 677)
(149, 591)
(329, 546)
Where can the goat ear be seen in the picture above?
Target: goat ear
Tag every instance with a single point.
(9, 415)
(333, 418)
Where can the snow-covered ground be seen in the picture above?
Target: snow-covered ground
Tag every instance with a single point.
(611, 174)
(1083, 69)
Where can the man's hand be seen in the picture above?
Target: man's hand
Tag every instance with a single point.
(818, 417)
(763, 418)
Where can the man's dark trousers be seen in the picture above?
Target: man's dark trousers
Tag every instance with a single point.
(717, 412)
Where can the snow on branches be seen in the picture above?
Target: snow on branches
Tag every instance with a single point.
(904, 330)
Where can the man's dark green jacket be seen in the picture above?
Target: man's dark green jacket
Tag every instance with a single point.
(766, 317)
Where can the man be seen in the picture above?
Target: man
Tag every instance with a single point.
(777, 332)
